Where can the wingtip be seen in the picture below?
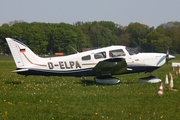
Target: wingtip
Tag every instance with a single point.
(20, 70)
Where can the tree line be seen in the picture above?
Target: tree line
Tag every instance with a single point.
(45, 38)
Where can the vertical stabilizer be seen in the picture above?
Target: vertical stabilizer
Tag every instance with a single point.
(22, 55)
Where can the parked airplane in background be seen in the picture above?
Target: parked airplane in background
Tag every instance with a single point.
(101, 63)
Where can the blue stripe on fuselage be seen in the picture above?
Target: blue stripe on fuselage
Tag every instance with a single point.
(82, 72)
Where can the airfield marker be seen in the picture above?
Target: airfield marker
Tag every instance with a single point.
(173, 69)
(160, 90)
(171, 85)
(177, 72)
(166, 80)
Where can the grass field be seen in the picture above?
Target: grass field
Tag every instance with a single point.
(61, 98)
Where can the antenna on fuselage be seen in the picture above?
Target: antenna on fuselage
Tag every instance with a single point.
(74, 49)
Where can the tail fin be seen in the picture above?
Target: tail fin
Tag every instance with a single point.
(22, 55)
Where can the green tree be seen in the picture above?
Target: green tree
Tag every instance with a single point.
(5, 31)
(171, 30)
(157, 42)
(124, 39)
(19, 30)
(55, 37)
(101, 36)
(37, 39)
(137, 33)
(63, 37)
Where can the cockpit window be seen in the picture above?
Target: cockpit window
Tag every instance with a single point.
(116, 53)
(88, 57)
(131, 51)
(100, 55)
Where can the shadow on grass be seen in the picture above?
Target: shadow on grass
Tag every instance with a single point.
(129, 82)
(13, 82)
(86, 82)
(91, 82)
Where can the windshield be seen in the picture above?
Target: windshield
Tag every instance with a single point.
(131, 51)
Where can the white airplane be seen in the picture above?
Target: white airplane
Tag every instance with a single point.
(101, 63)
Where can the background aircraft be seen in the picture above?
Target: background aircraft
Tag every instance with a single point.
(102, 63)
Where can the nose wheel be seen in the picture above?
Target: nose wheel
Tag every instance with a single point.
(150, 79)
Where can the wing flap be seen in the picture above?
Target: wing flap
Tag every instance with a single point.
(113, 66)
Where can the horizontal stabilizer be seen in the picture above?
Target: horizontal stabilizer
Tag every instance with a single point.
(129, 69)
(20, 70)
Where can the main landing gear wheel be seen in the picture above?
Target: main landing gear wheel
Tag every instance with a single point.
(106, 80)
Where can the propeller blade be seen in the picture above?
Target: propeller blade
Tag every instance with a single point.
(167, 53)
(168, 56)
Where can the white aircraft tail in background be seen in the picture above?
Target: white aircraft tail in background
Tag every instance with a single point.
(102, 63)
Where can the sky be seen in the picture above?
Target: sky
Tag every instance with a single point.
(122, 12)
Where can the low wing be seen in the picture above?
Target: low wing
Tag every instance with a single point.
(20, 70)
(112, 66)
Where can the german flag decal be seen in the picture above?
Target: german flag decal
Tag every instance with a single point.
(22, 50)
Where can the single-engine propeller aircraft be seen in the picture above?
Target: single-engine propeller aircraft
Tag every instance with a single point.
(102, 63)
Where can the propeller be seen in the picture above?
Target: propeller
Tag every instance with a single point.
(169, 57)
(167, 53)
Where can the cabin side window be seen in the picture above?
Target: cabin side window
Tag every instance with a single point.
(116, 53)
(131, 51)
(100, 55)
(88, 57)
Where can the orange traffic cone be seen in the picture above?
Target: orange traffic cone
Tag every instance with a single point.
(177, 72)
(166, 80)
(160, 90)
(171, 85)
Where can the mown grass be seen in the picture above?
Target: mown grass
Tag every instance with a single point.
(54, 98)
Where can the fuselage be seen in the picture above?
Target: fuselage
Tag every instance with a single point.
(82, 64)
